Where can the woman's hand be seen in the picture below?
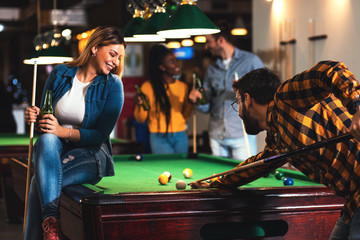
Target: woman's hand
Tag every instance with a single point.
(138, 100)
(194, 95)
(31, 114)
(49, 124)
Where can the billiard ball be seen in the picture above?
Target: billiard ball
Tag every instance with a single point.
(279, 175)
(163, 179)
(168, 174)
(180, 185)
(138, 157)
(288, 181)
(187, 173)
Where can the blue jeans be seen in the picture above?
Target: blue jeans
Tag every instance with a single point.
(162, 143)
(343, 230)
(57, 164)
(233, 147)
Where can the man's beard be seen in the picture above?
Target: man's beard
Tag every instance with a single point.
(251, 125)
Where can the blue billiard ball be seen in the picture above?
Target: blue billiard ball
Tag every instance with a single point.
(138, 157)
(288, 181)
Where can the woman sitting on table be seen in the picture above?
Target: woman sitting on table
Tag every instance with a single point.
(74, 146)
(168, 100)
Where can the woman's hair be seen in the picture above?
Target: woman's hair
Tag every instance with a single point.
(157, 55)
(102, 36)
(261, 84)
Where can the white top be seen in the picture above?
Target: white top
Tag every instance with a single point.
(70, 109)
(227, 62)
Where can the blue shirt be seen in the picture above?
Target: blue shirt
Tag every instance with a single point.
(224, 121)
(104, 100)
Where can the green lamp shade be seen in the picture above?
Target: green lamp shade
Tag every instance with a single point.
(51, 55)
(148, 31)
(189, 20)
(32, 58)
(130, 29)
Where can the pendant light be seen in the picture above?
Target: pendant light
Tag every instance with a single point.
(188, 19)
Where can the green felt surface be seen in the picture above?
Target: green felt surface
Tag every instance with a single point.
(24, 139)
(15, 139)
(142, 176)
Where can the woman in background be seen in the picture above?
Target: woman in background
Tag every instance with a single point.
(169, 104)
(74, 146)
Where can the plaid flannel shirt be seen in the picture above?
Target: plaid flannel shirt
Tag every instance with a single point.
(308, 108)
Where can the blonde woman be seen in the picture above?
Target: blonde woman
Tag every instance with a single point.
(74, 146)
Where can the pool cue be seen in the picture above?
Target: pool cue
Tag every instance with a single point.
(236, 77)
(194, 120)
(30, 147)
(278, 157)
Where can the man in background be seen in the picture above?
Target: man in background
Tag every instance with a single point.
(226, 134)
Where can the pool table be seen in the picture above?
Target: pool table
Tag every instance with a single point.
(134, 205)
(17, 146)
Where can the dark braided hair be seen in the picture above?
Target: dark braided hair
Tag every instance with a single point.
(157, 55)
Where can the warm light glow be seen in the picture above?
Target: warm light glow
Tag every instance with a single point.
(200, 39)
(66, 33)
(83, 38)
(174, 35)
(187, 42)
(184, 32)
(84, 35)
(147, 38)
(239, 31)
(173, 45)
(277, 7)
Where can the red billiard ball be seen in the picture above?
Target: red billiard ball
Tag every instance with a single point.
(138, 157)
(288, 181)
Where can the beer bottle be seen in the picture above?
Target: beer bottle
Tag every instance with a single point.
(47, 107)
(199, 87)
(145, 104)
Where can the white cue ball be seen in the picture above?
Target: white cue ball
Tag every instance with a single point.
(180, 185)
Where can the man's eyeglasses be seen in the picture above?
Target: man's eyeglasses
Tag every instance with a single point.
(235, 105)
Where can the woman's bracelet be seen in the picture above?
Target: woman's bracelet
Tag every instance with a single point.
(68, 139)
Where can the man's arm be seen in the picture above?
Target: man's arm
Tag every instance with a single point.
(313, 85)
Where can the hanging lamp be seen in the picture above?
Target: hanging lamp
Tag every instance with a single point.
(188, 19)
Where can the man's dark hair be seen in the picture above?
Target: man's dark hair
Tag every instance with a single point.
(225, 31)
(261, 84)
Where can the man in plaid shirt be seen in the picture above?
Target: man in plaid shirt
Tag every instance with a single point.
(314, 105)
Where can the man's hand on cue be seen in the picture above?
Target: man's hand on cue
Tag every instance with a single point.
(195, 185)
(355, 124)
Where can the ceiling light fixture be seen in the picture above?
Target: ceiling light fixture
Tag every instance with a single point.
(188, 19)
(147, 32)
(133, 25)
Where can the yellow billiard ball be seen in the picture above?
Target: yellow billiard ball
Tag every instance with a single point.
(163, 179)
(187, 173)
